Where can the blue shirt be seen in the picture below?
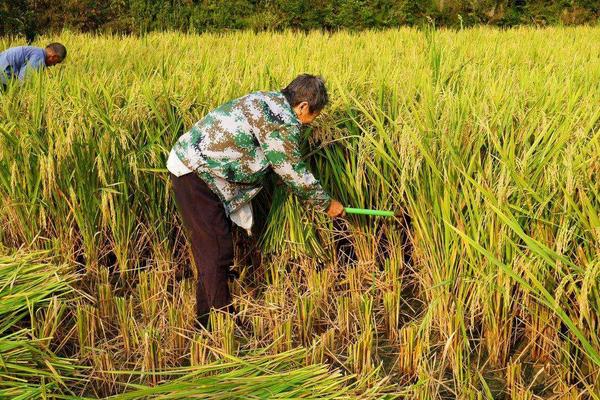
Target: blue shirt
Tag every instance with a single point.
(16, 61)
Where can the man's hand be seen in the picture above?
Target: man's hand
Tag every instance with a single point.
(336, 209)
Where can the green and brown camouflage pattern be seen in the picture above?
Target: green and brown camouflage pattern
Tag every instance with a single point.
(233, 147)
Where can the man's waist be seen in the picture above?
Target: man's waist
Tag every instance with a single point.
(234, 171)
(233, 194)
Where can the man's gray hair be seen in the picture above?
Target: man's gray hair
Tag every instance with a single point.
(307, 88)
(58, 49)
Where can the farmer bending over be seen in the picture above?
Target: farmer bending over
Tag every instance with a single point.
(218, 166)
(16, 61)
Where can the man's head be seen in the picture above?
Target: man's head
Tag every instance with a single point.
(55, 54)
(307, 95)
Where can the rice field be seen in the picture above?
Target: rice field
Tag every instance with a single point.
(487, 288)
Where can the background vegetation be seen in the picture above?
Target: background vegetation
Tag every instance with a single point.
(488, 139)
(30, 17)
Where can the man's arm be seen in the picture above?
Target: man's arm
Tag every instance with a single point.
(282, 150)
(35, 63)
(5, 66)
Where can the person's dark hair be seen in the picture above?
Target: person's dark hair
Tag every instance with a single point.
(58, 49)
(307, 88)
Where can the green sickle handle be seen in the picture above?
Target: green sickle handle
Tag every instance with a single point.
(364, 211)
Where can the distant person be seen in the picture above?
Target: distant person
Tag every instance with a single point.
(16, 61)
(218, 166)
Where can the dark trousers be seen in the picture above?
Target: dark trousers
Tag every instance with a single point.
(209, 231)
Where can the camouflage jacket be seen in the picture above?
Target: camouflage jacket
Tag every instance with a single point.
(234, 146)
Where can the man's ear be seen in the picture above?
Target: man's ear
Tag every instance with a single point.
(304, 107)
